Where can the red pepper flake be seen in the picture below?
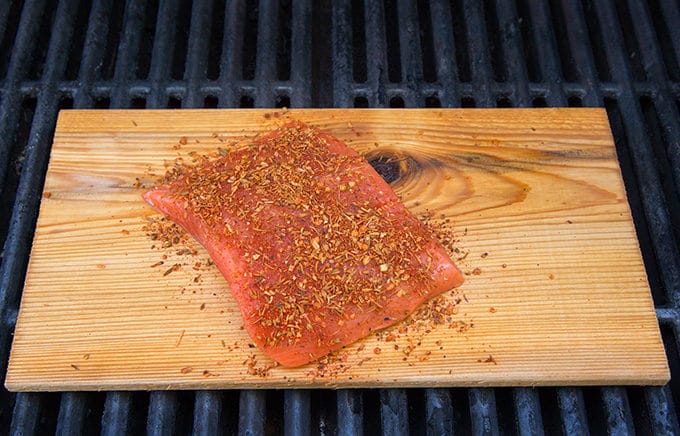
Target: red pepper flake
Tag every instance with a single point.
(125, 232)
(206, 373)
(492, 309)
(47, 194)
(183, 140)
(101, 266)
(476, 271)
(377, 350)
(173, 268)
(179, 340)
(551, 276)
(186, 370)
(490, 359)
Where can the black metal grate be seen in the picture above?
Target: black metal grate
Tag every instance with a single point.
(623, 55)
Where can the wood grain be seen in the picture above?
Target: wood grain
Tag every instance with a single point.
(561, 297)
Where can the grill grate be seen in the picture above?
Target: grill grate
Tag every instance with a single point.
(623, 55)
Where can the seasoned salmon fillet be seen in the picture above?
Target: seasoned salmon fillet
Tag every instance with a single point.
(317, 249)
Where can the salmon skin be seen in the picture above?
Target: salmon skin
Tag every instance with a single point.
(316, 247)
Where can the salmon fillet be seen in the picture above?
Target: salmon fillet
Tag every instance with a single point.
(317, 249)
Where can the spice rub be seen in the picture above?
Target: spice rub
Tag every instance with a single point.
(316, 247)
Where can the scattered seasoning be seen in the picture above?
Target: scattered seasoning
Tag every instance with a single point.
(259, 370)
(377, 350)
(183, 140)
(179, 339)
(134, 123)
(47, 194)
(202, 306)
(173, 268)
(186, 370)
(476, 271)
(125, 232)
(551, 276)
(168, 235)
(484, 255)
(101, 266)
(489, 359)
(75, 367)
(492, 309)
(159, 263)
(505, 265)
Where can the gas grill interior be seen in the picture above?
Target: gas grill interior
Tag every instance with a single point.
(621, 55)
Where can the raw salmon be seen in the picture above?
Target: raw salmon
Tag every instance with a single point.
(316, 247)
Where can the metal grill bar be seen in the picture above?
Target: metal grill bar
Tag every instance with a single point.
(301, 54)
(231, 56)
(160, 60)
(72, 409)
(126, 54)
(27, 200)
(207, 410)
(162, 413)
(21, 56)
(410, 52)
(297, 412)
(438, 412)
(661, 410)
(483, 411)
(480, 65)
(394, 411)
(116, 419)
(445, 57)
(528, 411)
(4, 16)
(572, 411)
(26, 414)
(580, 44)
(670, 11)
(99, 89)
(350, 407)
(376, 53)
(97, 30)
(252, 412)
(265, 64)
(197, 54)
(512, 49)
(617, 411)
(546, 47)
(342, 57)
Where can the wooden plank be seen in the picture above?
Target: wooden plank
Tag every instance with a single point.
(536, 198)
